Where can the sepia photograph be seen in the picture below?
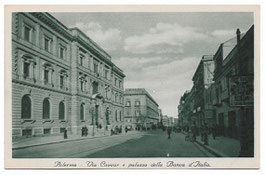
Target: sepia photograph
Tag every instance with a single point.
(133, 85)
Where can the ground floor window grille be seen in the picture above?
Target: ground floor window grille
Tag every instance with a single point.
(47, 131)
(26, 132)
(62, 130)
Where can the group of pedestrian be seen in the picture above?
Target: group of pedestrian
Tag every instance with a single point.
(193, 131)
(204, 131)
(84, 131)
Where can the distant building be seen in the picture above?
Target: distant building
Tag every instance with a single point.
(185, 110)
(175, 122)
(141, 110)
(195, 106)
(165, 120)
(202, 80)
(61, 79)
(160, 115)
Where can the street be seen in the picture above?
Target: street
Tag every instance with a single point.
(139, 144)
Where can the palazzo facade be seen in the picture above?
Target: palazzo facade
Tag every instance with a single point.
(61, 79)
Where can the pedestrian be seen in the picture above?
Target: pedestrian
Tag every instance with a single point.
(214, 131)
(82, 131)
(194, 132)
(169, 130)
(205, 134)
(112, 132)
(65, 134)
(202, 132)
(85, 131)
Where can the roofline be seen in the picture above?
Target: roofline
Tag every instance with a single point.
(140, 93)
(201, 61)
(93, 42)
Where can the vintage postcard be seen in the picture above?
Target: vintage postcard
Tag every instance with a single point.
(132, 86)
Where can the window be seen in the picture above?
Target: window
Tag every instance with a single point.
(46, 109)
(47, 131)
(61, 52)
(81, 85)
(26, 107)
(47, 44)
(120, 116)
(81, 60)
(137, 113)
(116, 116)
(94, 88)
(61, 111)
(26, 69)
(121, 99)
(115, 81)
(27, 31)
(46, 76)
(128, 103)
(62, 130)
(26, 132)
(95, 68)
(120, 84)
(106, 74)
(82, 111)
(62, 81)
(137, 103)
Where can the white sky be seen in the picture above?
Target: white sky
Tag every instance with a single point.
(159, 51)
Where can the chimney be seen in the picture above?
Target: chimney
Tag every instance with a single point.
(238, 35)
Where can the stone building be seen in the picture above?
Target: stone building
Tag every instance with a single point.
(203, 111)
(186, 111)
(234, 60)
(141, 110)
(195, 106)
(61, 79)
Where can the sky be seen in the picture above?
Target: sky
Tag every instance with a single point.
(159, 51)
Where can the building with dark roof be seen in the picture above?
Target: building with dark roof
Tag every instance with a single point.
(141, 110)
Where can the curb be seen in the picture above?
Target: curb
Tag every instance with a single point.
(210, 149)
(63, 141)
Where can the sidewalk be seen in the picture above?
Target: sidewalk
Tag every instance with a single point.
(221, 146)
(44, 140)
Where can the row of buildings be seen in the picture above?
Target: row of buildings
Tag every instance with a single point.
(223, 90)
(61, 79)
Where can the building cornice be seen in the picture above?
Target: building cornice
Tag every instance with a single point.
(52, 22)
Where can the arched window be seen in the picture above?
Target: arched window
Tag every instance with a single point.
(61, 111)
(82, 111)
(46, 109)
(116, 116)
(26, 107)
(94, 87)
